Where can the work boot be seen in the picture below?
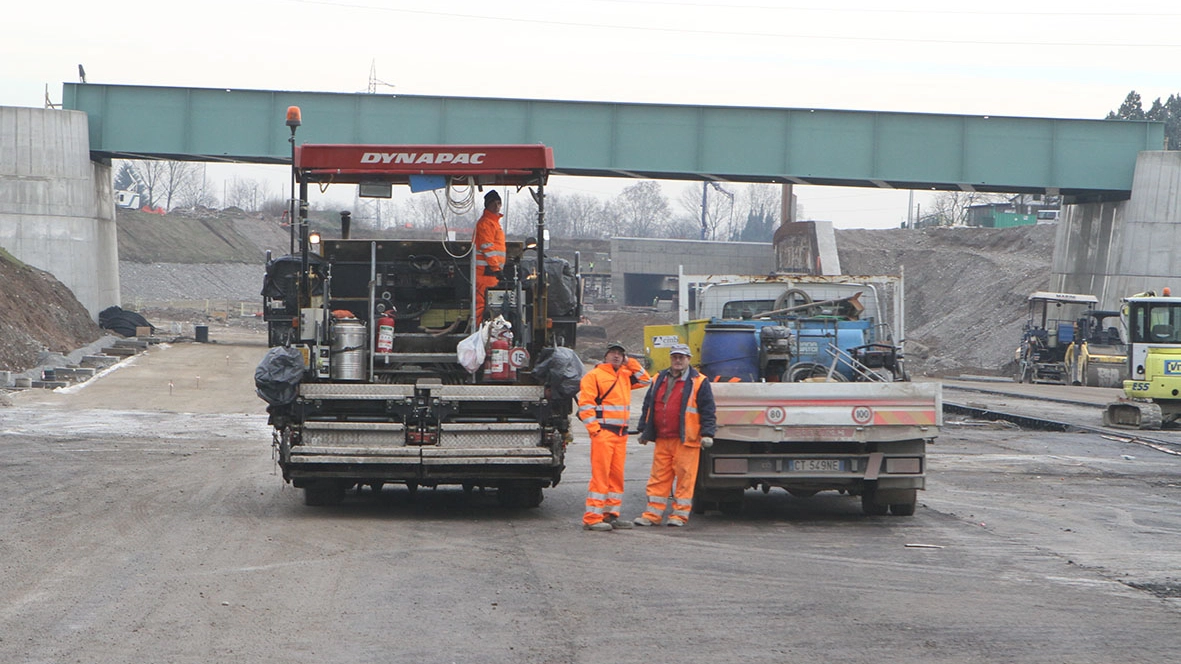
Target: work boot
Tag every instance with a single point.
(674, 521)
(617, 523)
(641, 521)
(600, 526)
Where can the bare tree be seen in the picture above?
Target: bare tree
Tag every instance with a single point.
(195, 191)
(950, 208)
(641, 210)
(574, 215)
(719, 204)
(151, 173)
(167, 181)
(246, 194)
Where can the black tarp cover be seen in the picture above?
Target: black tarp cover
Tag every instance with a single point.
(122, 322)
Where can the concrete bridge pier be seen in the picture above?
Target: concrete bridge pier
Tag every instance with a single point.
(1113, 250)
(57, 208)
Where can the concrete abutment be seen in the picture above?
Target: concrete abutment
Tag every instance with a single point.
(57, 209)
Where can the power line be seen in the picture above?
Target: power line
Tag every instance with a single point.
(773, 35)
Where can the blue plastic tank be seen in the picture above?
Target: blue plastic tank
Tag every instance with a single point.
(730, 351)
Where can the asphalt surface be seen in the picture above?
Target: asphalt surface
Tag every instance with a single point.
(145, 521)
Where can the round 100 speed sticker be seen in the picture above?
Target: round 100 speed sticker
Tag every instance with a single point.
(862, 414)
(776, 415)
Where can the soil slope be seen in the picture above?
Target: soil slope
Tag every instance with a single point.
(966, 289)
(38, 314)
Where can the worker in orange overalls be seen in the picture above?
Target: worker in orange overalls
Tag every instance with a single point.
(604, 406)
(489, 244)
(679, 415)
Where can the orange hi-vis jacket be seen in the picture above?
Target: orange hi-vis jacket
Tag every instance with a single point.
(488, 241)
(604, 402)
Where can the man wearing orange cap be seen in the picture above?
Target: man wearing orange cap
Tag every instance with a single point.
(489, 244)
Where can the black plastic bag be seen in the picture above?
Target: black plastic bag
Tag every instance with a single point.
(561, 370)
(277, 377)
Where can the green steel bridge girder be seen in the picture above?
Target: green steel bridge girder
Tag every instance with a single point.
(1085, 160)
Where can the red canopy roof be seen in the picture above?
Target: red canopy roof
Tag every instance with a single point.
(486, 164)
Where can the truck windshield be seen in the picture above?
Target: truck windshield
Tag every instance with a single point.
(746, 308)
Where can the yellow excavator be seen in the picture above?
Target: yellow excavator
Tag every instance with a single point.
(1153, 392)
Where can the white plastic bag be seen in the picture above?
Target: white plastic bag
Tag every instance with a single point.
(471, 349)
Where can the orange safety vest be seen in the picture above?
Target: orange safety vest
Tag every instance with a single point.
(604, 400)
(697, 420)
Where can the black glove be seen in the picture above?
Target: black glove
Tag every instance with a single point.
(490, 271)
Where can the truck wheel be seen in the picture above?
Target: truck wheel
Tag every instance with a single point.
(870, 506)
(323, 493)
(905, 509)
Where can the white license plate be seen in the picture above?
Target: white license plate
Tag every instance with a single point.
(816, 465)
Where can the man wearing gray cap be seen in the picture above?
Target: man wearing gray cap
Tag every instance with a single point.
(679, 415)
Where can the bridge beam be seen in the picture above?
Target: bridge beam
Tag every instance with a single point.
(1082, 159)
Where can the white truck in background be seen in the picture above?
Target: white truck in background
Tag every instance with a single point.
(811, 390)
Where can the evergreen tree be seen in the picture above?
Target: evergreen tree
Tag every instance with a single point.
(1168, 112)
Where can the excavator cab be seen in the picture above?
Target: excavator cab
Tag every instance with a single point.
(1153, 392)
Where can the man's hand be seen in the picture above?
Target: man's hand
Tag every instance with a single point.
(643, 441)
(490, 271)
(707, 442)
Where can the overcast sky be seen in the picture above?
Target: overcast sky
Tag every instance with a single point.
(1072, 59)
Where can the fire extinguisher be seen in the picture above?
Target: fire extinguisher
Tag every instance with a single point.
(385, 333)
(497, 366)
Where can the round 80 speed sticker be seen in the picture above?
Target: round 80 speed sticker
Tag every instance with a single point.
(862, 414)
(776, 415)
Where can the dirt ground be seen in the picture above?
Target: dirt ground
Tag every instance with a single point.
(145, 521)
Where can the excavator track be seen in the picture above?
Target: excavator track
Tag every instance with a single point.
(1126, 414)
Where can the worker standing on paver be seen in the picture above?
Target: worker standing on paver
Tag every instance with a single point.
(604, 406)
(679, 415)
(488, 240)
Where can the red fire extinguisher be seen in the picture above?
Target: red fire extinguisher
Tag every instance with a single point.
(385, 333)
(497, 366)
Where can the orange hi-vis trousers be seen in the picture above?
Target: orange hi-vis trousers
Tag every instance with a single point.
(604, 494)
(672, 460)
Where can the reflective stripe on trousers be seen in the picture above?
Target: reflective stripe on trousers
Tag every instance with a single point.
(672, 461)
(604, 493)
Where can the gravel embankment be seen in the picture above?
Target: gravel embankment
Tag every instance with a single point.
(167, 282)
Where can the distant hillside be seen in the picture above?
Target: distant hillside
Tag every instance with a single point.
(210, 236)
